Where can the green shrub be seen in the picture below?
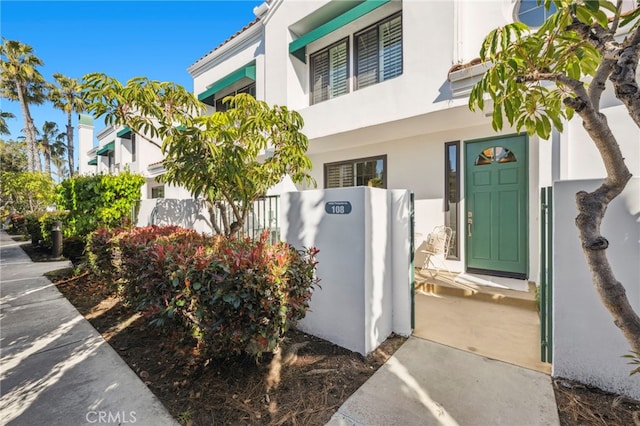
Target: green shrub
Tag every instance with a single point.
(73, 248)
(99, 200)
(17, 224)
(98, 254)
(39, 225)
(32, 223)
(232, 295)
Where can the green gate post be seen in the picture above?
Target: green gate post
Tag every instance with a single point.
(546, 274)
(412, 258)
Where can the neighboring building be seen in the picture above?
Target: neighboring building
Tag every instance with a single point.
(118, 149)
(383, 89)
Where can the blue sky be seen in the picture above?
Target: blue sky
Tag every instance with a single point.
(124, 39)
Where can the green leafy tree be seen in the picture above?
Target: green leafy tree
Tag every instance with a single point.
(13, 156)
(21, 81)
(4, 129)
(540, 78)
(25, 192)
(219, 157)
(66, 95)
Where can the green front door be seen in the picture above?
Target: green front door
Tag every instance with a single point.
(496, 201)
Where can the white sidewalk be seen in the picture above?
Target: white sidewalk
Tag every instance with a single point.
(55, 368)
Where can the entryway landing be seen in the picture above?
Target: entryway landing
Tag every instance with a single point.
(481, 287)
(498, 323)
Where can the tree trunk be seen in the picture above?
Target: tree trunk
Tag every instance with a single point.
(70, 145)
(29, 133)
(46, 150)
(591, 208)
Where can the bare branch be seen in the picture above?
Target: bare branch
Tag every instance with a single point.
(598, 85)
(616, 18)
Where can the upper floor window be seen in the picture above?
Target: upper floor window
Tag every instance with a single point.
(223, 106)
(533, 14)
(379, 52)
(360, 172)
(330, 72)
(378, 57)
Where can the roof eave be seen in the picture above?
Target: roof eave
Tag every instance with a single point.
(237, 43)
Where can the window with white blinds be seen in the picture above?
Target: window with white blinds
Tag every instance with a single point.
(379, 52)
(220, 105)
(360, 172)
(330, 72)
(378, 57)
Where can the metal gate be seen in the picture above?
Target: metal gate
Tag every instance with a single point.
(546, 274)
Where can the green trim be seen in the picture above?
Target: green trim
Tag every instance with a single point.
(85, 119)
(111, 146)
(124, 133)
(248, 71)
(93, 161)
(298, 47)
(545, 300)
(412, 249)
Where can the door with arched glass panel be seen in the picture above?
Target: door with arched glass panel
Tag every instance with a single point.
(496, 206)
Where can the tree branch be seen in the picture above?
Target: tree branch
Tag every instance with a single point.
(598, 85)
(623, 76)
(616, 18)
(212, 215)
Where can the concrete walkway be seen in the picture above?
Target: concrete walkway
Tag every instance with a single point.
(55, 368)
(426, 383)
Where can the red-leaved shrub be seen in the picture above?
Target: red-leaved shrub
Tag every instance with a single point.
(232, 295)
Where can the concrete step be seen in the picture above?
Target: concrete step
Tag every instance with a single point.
(457, 285)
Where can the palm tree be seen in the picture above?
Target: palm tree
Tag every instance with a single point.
(67, 96)
(22, 81)
(58, 151)
(48, 136)
(4, 129)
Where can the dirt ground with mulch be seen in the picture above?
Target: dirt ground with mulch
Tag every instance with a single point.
(303, 384)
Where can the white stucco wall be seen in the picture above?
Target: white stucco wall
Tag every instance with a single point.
(364, 293)
(229, 57)
(587, 346)
(581, 159)
(85, 144)
(187, 213)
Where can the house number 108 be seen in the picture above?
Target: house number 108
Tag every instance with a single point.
(338, 207)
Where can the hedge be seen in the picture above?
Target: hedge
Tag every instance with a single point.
(232, 295)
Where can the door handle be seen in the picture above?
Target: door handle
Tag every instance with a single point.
(469, 224)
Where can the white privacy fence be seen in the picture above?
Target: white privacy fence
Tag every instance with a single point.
(193, 214)
(364, 262)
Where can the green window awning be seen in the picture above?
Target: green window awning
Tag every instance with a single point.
(298, 47)
(93, 161)
(248, 71)
(124, 133)
(111, 146)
